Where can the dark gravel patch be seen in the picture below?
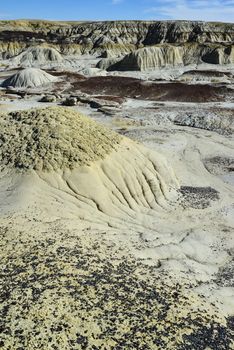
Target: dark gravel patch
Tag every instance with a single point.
(219, 165)
(225, 277)
(198, 197)
(55, 291)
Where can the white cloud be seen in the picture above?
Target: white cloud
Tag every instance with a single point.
(206, 10)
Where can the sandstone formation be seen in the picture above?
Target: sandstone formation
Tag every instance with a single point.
(219, 55)
(109, 38)
(37, 56)
(56, 138)
(150, 58)
(164, 55)
(29, 78)
(106, 63)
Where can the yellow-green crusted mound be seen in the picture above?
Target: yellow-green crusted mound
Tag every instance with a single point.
(52, 138)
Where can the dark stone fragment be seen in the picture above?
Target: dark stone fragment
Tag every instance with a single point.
(230, 322)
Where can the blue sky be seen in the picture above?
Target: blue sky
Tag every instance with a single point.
(213, 10)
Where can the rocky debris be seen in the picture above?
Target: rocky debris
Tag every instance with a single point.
(225, 277)
(99, 103)
(219, 165)
(11, 91)
(205, 76)
(222, 123)
(95, 102)
(198, 197)
(73, 100)
(29, 78)
(93, 72)
(70, 101)
(230, 322)
(108, 110)
(7, 95)
(48, 98)
(110, 99)
(76, 293)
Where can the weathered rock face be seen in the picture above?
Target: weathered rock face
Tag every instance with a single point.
(117, 37)
(150, 58)
(106, 63)
(36, 56)
(172, 55)
(220, 55)
(185, 31)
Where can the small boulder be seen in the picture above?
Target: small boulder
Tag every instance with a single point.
(48, 98)
(70, 101)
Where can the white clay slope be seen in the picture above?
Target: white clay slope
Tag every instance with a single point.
(101, 170)
(37, 56)
(29, 78)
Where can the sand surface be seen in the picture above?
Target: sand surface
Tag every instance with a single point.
(132, 251)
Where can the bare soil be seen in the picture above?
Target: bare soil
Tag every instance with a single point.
(136, 88)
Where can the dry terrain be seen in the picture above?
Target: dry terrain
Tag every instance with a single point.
(117, 186)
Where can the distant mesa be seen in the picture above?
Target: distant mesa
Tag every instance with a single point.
(29, 78)
(209, 42)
